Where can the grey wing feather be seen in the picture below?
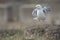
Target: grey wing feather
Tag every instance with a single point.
(34, 13)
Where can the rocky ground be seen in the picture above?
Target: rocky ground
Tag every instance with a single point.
(32, 33)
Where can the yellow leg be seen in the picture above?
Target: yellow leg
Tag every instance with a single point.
(40, 22)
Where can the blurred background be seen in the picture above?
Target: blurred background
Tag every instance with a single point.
(16, 20)
(15, 14)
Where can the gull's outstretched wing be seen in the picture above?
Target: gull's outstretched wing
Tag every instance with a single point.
(46, 9)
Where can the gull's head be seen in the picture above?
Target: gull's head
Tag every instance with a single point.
(38, 6)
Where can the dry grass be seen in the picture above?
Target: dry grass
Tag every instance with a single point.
(51, 34)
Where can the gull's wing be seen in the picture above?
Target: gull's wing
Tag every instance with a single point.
(46, 9)
(34, 13)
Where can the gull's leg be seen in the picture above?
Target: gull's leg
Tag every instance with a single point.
(41, 22)
(36, 20)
